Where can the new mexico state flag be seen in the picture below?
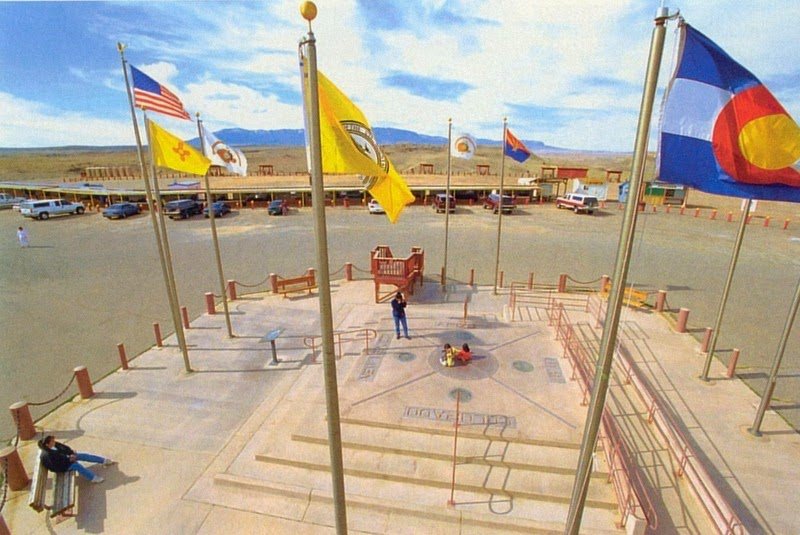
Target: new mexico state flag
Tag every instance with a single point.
(174, 153)
(349, 147)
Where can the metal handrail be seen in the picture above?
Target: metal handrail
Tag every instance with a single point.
(342, 336)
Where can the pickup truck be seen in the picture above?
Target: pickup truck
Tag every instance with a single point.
(7, 201)
(493, 201)
(578, 202)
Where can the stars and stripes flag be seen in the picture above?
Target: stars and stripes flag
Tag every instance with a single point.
(150, 95)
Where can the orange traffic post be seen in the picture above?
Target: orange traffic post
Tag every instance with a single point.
(683, 317)
(348, 271)
(232, 290)
(157, 333)
(732, 363)
(185, 318)
(661, 299)
(211, 307)
(123, 357)
(84, 382)
(21, 415)
(14, 469)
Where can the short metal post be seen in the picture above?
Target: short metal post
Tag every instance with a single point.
(348, 271)
(274, 352)
(562, 283)
(661, 300)
(123, 357)
(185, 318)
(21, 414)
(232, 290)
(786, 223)
(530, 281)
(157, 333)
(766, 221)
(730, 217)
(713, 214)
(211, 307)
(502, 275)
(683, 317)
(273, 282)
(696, 212)
(732, 363)
(706, 340)
(15, 470)
(84, 382)
(472, 277)
(442, 277)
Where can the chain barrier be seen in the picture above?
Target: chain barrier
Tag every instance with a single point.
(361, 270)
(336, 272)
(35, 404)
(252, 285)
(598, 279)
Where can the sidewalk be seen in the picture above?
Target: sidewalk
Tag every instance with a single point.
(243, 442)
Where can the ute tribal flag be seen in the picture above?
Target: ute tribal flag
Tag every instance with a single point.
(173, 153)
(150, 95)
(224, 155)
(463, 146)
(349, 147)
(514, 148)
(723, 132)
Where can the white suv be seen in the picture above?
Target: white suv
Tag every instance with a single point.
(44, 209)
(578, 202)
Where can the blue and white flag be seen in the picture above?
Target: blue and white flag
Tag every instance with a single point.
(723, 132)
(224, 155)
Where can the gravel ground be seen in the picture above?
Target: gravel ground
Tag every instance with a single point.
(87, 283)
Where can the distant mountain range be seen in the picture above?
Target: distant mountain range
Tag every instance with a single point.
(386, 136)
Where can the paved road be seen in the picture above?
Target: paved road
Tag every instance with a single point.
(88, 283)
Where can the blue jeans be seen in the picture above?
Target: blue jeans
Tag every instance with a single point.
(82, 470)
(397, 322)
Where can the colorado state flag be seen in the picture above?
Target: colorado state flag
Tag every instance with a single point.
(723, 132)
(514, 148)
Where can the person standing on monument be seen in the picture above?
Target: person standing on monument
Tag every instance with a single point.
(399, 314)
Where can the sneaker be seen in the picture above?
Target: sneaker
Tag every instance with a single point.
(398, 337)
(408, 337)
(109, 462)
(97, 479)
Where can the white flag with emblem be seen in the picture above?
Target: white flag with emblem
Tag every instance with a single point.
(224, 155)
(464, 146)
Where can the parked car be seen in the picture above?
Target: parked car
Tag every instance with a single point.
(278, 207)
(578, 202)
(440, 203)
(182, 208)
(466, 195)
(220, 209)
(121, 210)
(44, 209)
(493, 201)
(7, 201)
(375, 207)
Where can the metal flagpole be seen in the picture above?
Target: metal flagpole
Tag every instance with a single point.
(447, 201)
(615, 297)
(776, 364)
(171, 289)
(214, 238)
(311, 98)
(151, 206)
(724, 299)
(500, 202)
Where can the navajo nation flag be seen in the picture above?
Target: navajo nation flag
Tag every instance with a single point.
(150, 95)
(723, 132)
(514, 148)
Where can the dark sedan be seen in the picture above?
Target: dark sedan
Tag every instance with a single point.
(220, 209)
(278, 207)
(121, 210)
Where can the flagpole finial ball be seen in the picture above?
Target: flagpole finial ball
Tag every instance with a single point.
(308, 10)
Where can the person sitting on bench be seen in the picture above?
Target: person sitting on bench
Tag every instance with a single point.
(448, 356)
(58, 457)
(465, 355)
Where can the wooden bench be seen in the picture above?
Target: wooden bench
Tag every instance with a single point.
(63, 494)
(297, 284)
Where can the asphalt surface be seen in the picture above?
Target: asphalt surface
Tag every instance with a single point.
(87, 283)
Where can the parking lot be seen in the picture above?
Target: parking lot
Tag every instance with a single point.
(88, 283)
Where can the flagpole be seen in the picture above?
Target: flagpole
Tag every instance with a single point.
(151, 206)
(171, 287)
(447, 201)
(500, 202)
(214, 238)
(766, 397)
(311, 97)
(615, 297)
(724, 299)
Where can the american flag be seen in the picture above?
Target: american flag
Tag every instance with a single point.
(150, 95)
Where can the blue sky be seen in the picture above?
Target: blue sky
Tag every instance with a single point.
(565, 72)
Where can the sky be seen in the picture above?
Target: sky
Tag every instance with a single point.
(568, 73)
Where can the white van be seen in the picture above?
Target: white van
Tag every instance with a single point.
(44, 209)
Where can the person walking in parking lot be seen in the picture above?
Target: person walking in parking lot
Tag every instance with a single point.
(22, 236)
(399, 314)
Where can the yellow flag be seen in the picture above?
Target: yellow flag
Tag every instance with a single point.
(349, 147)
(174, 153)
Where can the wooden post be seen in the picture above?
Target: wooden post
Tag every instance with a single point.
(661, 299)
(157, 333)
(185, 317)
(732, 363)
(348, 271)
(562, 283)
(273, 281)
(84, 382)
(123, 357)
(683, 317)
(232, 290)
(15, 470)
(706, 340)
(211, 307)
(21, 415)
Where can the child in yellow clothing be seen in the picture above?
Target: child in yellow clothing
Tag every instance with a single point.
(449, 356)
